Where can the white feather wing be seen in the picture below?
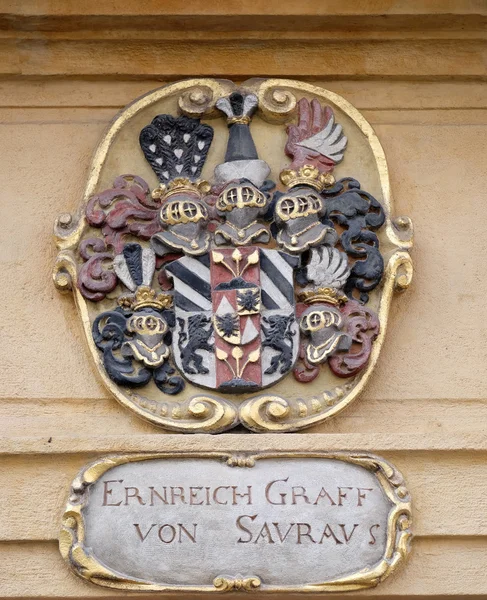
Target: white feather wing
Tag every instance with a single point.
(328, 267)
(330, 141)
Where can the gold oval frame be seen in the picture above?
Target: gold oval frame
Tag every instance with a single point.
(85, 565)
(265, 412)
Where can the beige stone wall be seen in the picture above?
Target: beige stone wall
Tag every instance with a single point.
(417, 71)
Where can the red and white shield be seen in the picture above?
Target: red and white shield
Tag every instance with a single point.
(245, 297)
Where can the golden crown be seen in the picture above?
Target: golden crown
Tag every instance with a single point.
(145, 297)
(323, 294)
(181, 185)
(307, 175)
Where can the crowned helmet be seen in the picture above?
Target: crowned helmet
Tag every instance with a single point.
(316, 144)
(243, 198)
(176, 149)
(322, 322)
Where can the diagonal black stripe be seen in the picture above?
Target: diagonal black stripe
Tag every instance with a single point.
(278, 279)
(199, 285)
(267, 301)
(292, 261)
(184, 303)
(204, 260)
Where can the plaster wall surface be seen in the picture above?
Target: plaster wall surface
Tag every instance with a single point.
(417, 71)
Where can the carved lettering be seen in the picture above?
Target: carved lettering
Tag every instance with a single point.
(265, 534)
(277, 492)
(182, 529)
(304, 531)
(163, 536)
(299, 492)
(325, 517)
(345, 536)
(216, 494)
(177, 492)
(324, 494)
(342, 495)
(361, 496)
(282, 537)
(193, 495)
(294, 533)
(247, 494)
(133, 492)
(242, 528)
(328, 533)
(108, 492)
(154, 493)
(268, 488)
(168, 533)
(372, 536)
(141, 535)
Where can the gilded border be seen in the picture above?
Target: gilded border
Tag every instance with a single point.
(399, 534)
(265, 412)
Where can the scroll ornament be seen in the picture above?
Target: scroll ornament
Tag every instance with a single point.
(234, 284)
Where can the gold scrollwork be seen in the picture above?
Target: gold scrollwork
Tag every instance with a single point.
(274, 413)
(199, 101)
(397, 548)
(200, 414)
(404, 273)
(239, 584)
(404, 228)
(68, 230)
(64, 272)
(277, 103)
(241, 461)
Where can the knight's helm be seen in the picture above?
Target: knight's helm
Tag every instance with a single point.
(320, 317)
(298, 212)
(176, 149)
(323, 324)
(241, 204)
(241, 195)
(183, 216)
(298, 203)
(183, 209)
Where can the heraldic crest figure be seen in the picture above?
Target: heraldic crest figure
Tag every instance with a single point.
(226, 276)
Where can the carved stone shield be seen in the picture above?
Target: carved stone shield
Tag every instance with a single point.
(235, 329)
(228, 273)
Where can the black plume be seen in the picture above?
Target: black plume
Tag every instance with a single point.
(133, 259)
(176, 146)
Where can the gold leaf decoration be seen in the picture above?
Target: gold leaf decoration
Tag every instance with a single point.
(237, 255)
(254, 356)
(221, 354)
(253, 258)
(237, 353)
(239, 584)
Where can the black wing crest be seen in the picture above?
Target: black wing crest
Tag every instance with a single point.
(176, 146)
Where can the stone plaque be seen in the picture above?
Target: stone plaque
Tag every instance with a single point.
(215, 522)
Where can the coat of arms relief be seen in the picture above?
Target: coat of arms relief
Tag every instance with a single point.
(235, 255)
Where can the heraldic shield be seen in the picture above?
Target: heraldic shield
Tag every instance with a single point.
(235, 255)
(236, 328)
